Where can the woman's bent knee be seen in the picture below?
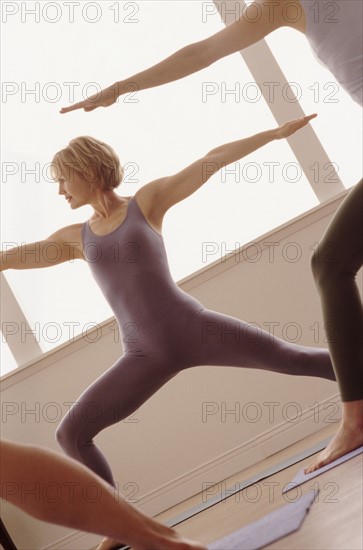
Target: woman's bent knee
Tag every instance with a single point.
(328, 271)
(67, 437)
(318, 267)
(61, 436)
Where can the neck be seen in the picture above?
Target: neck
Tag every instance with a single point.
(105, 203)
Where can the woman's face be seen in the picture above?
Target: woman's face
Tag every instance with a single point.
(76, 190)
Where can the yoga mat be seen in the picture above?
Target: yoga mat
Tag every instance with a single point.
(250, 481)
(198, 508)
(274, 526)
(301, 478)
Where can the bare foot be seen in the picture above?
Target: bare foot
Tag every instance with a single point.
(348, 437)
(109, 544)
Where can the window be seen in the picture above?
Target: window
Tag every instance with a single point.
(56, 53)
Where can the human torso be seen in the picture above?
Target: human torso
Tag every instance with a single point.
(73, 233)
(334, 31)
(131, 268)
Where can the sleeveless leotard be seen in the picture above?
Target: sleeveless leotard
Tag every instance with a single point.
(164, 331)
(131, 267)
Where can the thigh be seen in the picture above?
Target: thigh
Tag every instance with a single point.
(117, 393)
(222, 340)
(342, 242)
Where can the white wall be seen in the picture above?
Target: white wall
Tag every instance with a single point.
(166, 451)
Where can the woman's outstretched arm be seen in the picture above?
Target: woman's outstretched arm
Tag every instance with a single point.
(247, 30)
(162, 194)
(24, 468)
(60, 247)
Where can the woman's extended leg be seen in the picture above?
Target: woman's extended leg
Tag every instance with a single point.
(222, 340)
(335, 265)
(116, 394)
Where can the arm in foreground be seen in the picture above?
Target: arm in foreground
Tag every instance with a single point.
(106, 515)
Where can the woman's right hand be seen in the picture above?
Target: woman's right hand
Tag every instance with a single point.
(104, 98)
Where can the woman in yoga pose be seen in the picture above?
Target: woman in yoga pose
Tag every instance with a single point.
(106, 515)
(335, 34)
(164, 330)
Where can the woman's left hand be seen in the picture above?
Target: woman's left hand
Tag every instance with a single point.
(293, 126)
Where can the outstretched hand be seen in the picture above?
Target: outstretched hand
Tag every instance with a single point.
(104, 98)
(293, 126)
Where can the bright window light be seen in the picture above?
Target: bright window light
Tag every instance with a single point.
(47, 58)
(339, 121)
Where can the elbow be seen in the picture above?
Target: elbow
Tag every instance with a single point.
(215, 157)
(202, 54)
(212, 164)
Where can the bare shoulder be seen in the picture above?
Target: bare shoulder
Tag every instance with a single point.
(280, 13)
(147, 201)
(291, 14)
(69, 236)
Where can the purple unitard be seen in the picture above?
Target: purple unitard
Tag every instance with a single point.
(164, 331)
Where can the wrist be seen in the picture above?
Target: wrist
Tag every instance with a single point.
(274, 134)
(3, 265)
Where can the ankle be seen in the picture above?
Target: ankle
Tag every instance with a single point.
(352, 422)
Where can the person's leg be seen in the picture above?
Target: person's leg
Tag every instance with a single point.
(115, 395)
(222, 340)
(111, 398)
(106, 515)
(335, 264)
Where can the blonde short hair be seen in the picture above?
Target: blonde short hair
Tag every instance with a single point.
(94, 160)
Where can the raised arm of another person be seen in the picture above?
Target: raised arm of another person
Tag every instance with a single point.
(247, 30)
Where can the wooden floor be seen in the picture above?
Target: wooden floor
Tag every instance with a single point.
(333, 522)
